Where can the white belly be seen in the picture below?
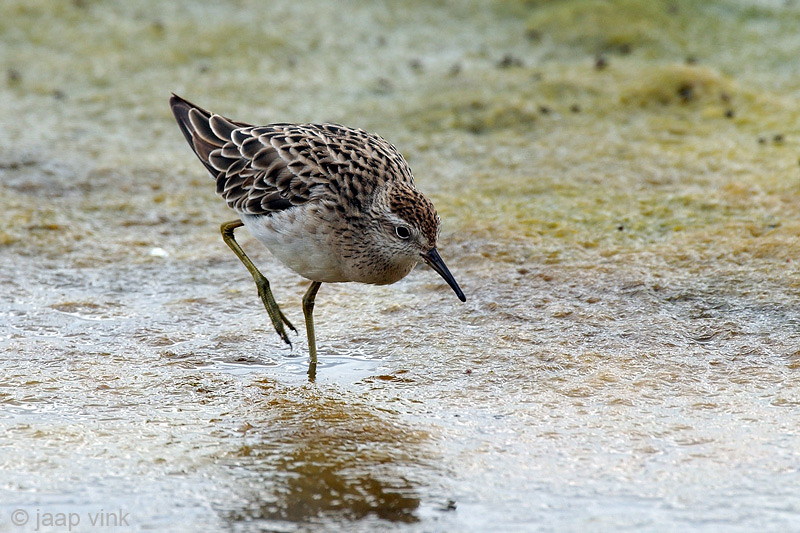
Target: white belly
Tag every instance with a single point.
(304, 247)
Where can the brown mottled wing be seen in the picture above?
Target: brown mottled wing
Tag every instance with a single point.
(211, 138)
(264, 169)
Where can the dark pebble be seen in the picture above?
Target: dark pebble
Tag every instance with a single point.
(686, 92)
(533, 35)
(384, 85)
(600, 62)
(509, 60)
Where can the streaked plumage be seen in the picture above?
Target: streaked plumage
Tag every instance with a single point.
(332, 203)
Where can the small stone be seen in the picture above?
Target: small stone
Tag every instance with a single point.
(533, 35)
(508, 61)
(686, 92)
(13, 76)
(600, 63)
(384, 85)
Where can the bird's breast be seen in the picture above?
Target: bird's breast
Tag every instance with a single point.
(299, 241)
(321, 247)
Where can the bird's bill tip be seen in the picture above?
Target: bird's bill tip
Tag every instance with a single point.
(434, 260)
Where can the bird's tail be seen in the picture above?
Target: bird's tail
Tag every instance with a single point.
(204, 131)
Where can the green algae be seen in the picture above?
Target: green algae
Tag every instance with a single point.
(650, 151)
(736, 35)
(554, 149)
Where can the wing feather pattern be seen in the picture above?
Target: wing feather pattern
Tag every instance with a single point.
(261, 170)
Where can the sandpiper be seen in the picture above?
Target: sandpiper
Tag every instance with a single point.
(330, 202)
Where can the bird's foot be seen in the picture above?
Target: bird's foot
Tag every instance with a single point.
(275, 314)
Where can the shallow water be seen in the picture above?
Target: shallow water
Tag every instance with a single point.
(619, 191)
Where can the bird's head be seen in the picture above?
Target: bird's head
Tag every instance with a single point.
(409, 227)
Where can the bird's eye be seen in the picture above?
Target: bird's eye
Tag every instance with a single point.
(404, 232)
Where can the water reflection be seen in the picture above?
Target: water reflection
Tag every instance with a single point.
(311, 456)
(339, 365)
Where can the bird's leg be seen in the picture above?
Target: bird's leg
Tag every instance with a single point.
(308, 311)
(275, 313)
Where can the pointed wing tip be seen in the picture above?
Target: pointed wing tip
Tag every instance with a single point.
(180, 108)
(179, 103)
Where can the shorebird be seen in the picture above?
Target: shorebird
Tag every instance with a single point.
(330, 202)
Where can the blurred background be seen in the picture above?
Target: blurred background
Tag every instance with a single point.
(618, 183)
